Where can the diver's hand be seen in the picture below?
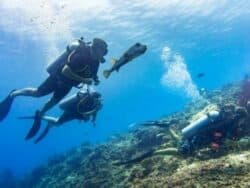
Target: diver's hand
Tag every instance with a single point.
(87, 81)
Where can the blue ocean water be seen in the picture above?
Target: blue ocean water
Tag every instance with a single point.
(183, 39)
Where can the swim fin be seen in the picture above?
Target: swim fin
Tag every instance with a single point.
(44, 133)
(5, 106)
(35, 127)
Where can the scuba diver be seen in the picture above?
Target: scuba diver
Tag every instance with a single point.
(77, 65)
(82, 106)
(211, 127)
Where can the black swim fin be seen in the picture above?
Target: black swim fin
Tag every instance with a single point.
(5, 106)
(45, 132)
(35, 127)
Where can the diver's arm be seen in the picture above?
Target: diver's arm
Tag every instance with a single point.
(67, 72)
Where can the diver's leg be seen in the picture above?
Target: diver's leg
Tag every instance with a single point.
(65, 117)
(50, 119)
(58, 95)
(45, 88)
(48, 105)
(38, 118)
(29, 91)
(6, 104)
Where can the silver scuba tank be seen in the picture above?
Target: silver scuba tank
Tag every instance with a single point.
(73, 99)
(199, 124)
(55, 66)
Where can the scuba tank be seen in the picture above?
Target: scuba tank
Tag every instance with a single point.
(72, 101)
(58, 64)
(193, 128)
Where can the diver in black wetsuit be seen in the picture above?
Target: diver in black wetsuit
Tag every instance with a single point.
(78, 64)
(82, 106)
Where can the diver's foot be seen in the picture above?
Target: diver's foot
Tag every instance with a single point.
(5, 106)
(36, 126)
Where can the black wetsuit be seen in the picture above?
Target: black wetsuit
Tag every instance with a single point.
(81, 63)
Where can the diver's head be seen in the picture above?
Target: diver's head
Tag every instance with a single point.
(99, 49)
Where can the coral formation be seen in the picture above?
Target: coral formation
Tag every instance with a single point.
(148, 156)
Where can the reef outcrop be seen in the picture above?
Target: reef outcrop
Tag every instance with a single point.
(148, 155)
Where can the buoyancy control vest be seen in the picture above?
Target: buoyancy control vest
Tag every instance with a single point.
(55, 67)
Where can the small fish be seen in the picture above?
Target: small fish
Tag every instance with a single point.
(133, 52)
(200, 75)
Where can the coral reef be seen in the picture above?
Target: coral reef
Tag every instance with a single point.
(148, 156)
